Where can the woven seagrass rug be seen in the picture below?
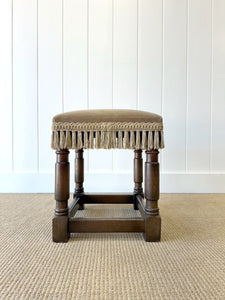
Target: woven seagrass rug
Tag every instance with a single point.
(189, 262)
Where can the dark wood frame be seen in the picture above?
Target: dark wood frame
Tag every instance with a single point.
(64, 220)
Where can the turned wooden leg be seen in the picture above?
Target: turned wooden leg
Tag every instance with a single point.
(60, 220)
(152, 217)
(79, 174)
(138, 175)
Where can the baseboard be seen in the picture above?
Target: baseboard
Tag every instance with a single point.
(118, 182)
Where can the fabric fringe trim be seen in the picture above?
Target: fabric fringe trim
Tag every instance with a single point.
(144, 140)
(107, 126)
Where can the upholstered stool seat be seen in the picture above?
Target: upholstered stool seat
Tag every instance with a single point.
(107, 129)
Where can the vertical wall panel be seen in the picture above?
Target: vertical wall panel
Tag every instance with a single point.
(6, 85)
(150, 55)
(25, 85)
(124, 68)
(49, 75)
(199, 82)
(100, 71)
(125, 54)
(174, 84)
(218, 91)
(100, 54)
(75, 54)
(75, 58)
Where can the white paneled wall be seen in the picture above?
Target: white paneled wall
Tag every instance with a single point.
(164, 56)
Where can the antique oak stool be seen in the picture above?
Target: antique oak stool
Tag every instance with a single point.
(107, 129)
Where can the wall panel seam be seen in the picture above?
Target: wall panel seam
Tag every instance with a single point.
(211, 86)
(187, 87)
(137, 87)
(112, 51)
(162, 77)
(112, 64)
(62, 40)
(88, 67)
(88, 74)
(12, 87)
(38, 139)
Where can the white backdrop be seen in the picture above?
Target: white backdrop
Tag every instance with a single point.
(167, 57)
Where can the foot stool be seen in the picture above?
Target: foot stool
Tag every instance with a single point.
(107, 129)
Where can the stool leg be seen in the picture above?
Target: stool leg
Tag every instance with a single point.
(60, 220)
(138, 175)
(152, 217)
(79, 174)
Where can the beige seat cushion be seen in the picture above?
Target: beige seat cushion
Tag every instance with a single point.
(108, 115)
(107, 128)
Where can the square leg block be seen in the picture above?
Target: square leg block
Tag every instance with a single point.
(60, 229)
(152, 229)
